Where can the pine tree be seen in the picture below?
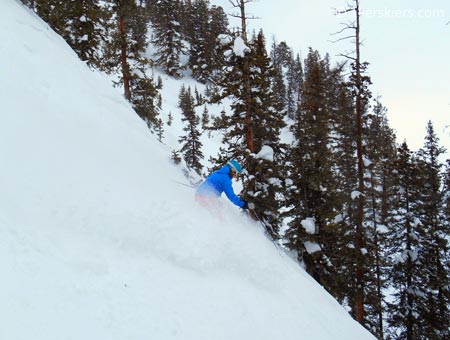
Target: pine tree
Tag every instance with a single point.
(205, 26)
(191, 144)
(237, 126)
(205, 118)
(312, 196)
(144, 93)
(407, 248)
(144, 98)
(30, 3)
(176, 157)
(170, 119)
(54, 13)
(380, 149)
(80, 23)
(341, 235)
(251, 132)
(218, 29)
(159, 129)
(199, 55)
(168, 38)
(279, 54)
(84, 32)
(245, 103)
(434, 306)
(268, 121)
(126, 51)
(294, 79)
(405, 243)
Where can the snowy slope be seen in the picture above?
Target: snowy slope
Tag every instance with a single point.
(98, 241)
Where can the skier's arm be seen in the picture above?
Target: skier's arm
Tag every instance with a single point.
(228, 189)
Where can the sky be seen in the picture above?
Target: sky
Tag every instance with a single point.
(406, 42)
(98, 240)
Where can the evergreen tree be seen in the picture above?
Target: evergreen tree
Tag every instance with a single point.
(241, 67)
(191, 144)
(199, 54)
(54, 13)
(126, 51)
(170, 119)
(312, 196)
(206, 25)
(168, 38)
(145, 98)
(159, 129)
(186, 8)
(252, 131)
(84, 31)
(176, 157)
(218, 28)
(235, 126)
(294, 79)
(380, 149)
(341, 235)
(267, 122)
(205, 118)
(280, 54)
(405, 275)
(83, 24)
(434, 306)
(30, 3)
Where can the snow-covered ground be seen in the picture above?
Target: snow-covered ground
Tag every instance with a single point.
(98, 240)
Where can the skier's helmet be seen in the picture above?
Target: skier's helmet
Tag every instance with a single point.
(234, 165)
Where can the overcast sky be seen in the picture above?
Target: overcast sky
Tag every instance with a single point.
(406, 42)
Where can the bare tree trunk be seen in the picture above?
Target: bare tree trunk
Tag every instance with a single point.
(246, 76)
(359, 88)
(243, 20)
(359, 227)
(123, 57)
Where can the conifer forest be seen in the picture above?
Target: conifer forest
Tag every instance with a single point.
(380, 212)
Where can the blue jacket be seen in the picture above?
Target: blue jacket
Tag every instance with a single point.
(217, 183)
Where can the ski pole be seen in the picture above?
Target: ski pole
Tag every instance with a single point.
(186, 185)
(266, 230)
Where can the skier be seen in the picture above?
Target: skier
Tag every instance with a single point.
(220, 181)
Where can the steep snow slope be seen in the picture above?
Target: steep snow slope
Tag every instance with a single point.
(98, 241)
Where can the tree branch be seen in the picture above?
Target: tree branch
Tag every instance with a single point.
(347, 56)
(239, 4)
(346, 27)
(238, 16)
(340, 39)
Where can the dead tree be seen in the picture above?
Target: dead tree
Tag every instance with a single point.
(359, 93)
